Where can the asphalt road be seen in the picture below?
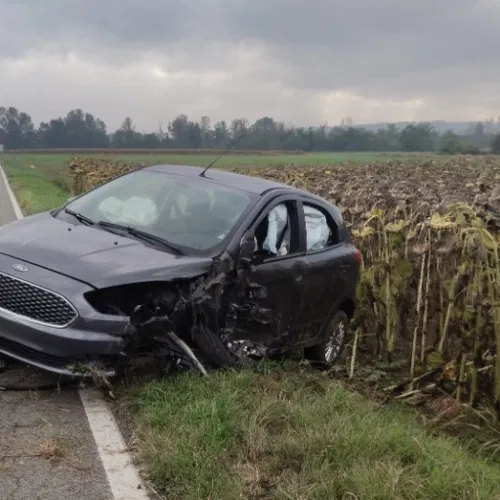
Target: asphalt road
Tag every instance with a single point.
(7, 213)
(47, 451)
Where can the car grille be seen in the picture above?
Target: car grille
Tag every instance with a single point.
(35, 303)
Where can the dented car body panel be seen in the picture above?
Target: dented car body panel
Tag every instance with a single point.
(217, 259)
(97, 258)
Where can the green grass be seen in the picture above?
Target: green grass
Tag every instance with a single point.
(295, 435)
(37, 189)
(59, 160)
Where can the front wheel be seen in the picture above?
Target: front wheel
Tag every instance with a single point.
(212, 348)
(330, 349)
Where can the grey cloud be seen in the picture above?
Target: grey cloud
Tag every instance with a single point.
(367, 42)
(341, 26)
(386, 49)
(147, 25)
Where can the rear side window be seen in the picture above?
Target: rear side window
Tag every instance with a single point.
(321, 230)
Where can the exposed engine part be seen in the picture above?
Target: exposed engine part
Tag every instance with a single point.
(197, 314)
(200, 313)
(246, 348)
(182, 353)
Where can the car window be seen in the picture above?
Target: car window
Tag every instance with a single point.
(320, 230)
(273, 235)
(186, 211)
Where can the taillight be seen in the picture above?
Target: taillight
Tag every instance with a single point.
(357, 256)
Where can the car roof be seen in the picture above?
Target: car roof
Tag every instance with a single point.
(248, 183)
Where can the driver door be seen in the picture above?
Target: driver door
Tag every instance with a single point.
(269, 303)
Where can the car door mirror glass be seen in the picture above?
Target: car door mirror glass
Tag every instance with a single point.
(249, 252)
(247, 247)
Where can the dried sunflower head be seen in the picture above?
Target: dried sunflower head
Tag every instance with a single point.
(419, 248)
(441, 222)
(396, 226)
(363, 232)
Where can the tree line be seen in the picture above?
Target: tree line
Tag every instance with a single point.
(79, 129)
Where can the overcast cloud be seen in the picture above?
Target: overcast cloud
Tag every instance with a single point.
(304, 62)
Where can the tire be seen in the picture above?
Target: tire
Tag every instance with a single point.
(327, 353)
(213, 349)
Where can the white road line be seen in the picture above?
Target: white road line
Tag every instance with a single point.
(123, 478)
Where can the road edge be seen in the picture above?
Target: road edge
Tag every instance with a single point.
(12, 197)
(123, 478)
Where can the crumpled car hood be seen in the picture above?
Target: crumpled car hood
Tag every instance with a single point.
(93, 256)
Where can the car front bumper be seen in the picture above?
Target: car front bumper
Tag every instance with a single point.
(61, 351)
(92, 339)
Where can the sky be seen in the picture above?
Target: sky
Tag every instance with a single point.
(305, 62)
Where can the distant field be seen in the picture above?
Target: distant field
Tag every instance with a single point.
(193, 152)
(156, 151)
(47, 159)
(41, 182)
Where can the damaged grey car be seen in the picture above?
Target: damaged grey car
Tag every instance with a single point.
(209, 268)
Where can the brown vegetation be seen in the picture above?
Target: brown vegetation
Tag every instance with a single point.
(430, 289)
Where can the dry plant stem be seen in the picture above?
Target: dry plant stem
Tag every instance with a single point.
(447, 318)
(494, 280)
(461, 377)
(426, 301)
(477, 331)
(354, 352)
(389, 330)
(418, 308)
(493, 283)
(441, 298)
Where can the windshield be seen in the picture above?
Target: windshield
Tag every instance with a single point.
(190, 212)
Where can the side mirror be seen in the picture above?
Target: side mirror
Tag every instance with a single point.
(246, 251)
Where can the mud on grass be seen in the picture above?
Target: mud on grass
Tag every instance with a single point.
(280, 434)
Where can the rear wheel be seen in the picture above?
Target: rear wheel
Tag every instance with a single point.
(330, 349)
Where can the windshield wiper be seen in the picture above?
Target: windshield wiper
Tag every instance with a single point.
(80, 217)
(139, 234)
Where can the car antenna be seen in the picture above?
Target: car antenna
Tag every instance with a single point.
(231, 146)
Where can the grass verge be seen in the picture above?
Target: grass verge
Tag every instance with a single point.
(280, 434)
(37, 187)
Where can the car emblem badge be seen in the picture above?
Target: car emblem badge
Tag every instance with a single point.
(20, 268)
